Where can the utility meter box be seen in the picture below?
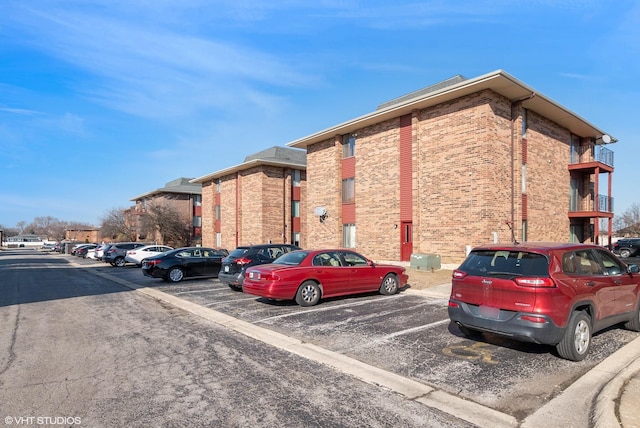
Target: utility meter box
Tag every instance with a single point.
(425, 261)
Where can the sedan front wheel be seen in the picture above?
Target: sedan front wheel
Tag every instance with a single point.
(389, 285)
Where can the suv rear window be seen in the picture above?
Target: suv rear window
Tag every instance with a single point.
(505, 263)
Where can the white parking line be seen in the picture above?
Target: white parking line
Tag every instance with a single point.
(322, 309)
(229, 301)
(411, 330)
(199, 291)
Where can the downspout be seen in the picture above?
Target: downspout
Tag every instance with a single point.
(517, 101)
(284, 205)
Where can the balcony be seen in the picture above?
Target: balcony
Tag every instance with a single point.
(600, 206)
(590, 158)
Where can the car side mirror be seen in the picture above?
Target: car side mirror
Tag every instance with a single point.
(633, 269)
(371, 263)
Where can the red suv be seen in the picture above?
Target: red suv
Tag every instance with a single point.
(547, 293)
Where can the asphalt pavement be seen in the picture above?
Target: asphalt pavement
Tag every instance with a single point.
(617, 380)
(608, 391)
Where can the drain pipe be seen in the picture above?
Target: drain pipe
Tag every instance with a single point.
(515, 102)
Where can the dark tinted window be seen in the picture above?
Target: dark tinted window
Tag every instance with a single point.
(239, 252)
(294, 258)
(509, 263)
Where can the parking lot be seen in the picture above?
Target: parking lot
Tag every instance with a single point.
(408, 334)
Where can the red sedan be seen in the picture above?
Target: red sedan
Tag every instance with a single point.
(306, 276)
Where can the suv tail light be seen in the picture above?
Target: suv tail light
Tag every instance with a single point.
(243, 261)
(458, 274)
(536, 282)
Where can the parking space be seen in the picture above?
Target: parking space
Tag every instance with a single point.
(408, 334)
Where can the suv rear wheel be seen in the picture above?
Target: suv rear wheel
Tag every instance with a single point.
(119, 262)
(634, 323)
(577, 337)
(625, 253)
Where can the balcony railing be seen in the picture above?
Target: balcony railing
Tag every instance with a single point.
(603, 203)
(584, 154)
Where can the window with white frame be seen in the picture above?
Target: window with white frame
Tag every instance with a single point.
(349, 235)
(295, 208)
(348, 145)
(348, 190)
(295, 238)
(296, 177)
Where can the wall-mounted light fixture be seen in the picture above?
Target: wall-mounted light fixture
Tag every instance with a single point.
(321, 213)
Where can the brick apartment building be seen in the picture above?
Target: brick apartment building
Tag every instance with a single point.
(258, 201)
(183, 197)
(457, 164)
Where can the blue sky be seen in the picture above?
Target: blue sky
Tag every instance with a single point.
(103, 100)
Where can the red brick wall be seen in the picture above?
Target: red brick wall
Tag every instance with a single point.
(255, 207)
(466, 186)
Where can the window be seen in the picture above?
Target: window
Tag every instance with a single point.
(217, 207)
(349, 235)
(348, 190)
(295, 238)
(348, 145)
(295, 208)
(581, 262)
(295, 177)
(197, 221)
(218, 239)
(197, 200)
(353, 259)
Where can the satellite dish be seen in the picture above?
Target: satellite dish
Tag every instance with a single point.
(320, 211)
(606, 139)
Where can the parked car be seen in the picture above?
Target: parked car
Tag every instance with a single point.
(175, 265)
(82, 251)
(91, 253)
(235, 264)
(114, 253)
(554, 294)
(48, 246)
(76, 247)
(627, 247)
(100, 251)
(137, 255)
(307, 276)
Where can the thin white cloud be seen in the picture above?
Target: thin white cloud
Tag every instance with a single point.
(150, 70)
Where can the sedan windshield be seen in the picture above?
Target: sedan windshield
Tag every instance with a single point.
(291, 259)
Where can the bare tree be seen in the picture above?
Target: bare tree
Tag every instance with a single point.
(628, 223)
(49, 226)
(21, 225)
(167, 224)
(114, 226)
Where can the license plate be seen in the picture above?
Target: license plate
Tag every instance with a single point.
(489, 312)
(226, 268)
